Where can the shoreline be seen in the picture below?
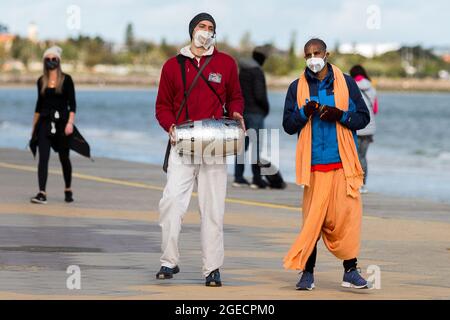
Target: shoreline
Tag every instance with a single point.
(292, 184)
(277, 84)
(279, 199)
(276, 89)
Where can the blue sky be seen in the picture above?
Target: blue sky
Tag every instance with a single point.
(404, 22)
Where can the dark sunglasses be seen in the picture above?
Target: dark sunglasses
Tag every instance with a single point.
(52, 59)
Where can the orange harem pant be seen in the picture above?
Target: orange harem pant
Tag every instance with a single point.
(330, 212)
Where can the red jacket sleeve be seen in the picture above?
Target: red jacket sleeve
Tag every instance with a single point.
(235, 101)
(164, 110)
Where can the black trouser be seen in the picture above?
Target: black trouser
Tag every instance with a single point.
(44, 146)
(252, 121)
(311, 263)
(239, 167)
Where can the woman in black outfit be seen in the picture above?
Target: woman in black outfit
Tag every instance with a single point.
(53, 121)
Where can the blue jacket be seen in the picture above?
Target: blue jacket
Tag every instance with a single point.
(324, 139)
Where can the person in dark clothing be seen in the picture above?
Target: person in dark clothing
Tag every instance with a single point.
(254, 91)
(53, 121)
(365, 136)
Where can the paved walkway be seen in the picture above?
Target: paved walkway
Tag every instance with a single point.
(111, 233)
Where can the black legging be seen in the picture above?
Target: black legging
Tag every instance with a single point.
(44, 146)
(311, 263)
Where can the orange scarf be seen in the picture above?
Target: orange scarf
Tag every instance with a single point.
(346, 143)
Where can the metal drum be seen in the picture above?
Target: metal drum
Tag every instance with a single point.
(209, 137)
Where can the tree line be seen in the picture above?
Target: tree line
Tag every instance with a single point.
(93, 50)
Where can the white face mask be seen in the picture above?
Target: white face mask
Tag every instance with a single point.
(315, 64)
(203, 38)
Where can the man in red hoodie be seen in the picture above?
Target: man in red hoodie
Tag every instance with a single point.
(221, 73)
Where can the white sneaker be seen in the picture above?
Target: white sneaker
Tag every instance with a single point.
(363, 190)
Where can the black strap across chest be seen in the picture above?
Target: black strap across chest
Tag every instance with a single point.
(181, 60)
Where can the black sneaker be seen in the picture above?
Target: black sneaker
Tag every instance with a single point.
(68, 196)
(167, 273)
(39, 198)
(240, 182)
(259, 184)
(213, 280)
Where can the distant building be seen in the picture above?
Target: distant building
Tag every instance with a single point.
(368, 50)
(6, 40)
(33, 32)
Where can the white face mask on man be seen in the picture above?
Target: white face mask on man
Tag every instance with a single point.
(203, 38)
(316, 64)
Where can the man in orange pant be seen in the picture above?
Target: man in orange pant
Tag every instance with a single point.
(325, 108)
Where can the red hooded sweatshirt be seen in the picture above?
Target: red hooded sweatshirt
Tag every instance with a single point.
(222, 74)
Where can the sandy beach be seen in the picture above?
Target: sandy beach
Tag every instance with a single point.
(111, 232)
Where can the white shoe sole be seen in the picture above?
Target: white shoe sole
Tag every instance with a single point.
(240, 185)
(38, 201)
(305, 289)
(349, 285)
(255, 186)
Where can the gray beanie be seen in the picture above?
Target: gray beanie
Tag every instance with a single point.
(55, 50)
(200, 17)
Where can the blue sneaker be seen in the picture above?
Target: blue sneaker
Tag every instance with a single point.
(213, 280)
(353, 279)
(306, 281)
(167, 273)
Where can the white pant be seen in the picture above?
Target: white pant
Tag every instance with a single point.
(212, 183)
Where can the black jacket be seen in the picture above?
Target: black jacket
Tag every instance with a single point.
(63, 103)
(75, 142)
(253, 86)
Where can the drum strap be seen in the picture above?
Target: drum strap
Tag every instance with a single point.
(181, 60)
(211, 87)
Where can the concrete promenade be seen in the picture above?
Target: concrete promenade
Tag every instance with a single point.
(111, 232)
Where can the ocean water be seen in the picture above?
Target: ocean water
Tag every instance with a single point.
(409, 157)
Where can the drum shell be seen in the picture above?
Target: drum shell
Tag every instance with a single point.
(210, 137)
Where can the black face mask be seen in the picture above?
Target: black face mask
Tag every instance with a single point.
(51, 64)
